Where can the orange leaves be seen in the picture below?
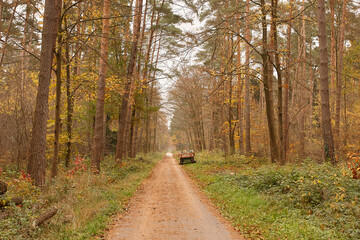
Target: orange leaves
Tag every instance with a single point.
(353, 161)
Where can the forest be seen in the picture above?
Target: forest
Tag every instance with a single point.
(94, 93)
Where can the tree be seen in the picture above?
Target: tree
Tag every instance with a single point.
(98, 144)
(339, 72)
(269, 98)
(324, 85)
(247, 80)
(37, 157)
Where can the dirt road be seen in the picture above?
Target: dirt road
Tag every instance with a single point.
(169, 206)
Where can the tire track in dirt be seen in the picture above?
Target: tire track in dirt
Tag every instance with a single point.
(169, 206)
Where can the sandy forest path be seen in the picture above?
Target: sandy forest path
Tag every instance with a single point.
(169, 206)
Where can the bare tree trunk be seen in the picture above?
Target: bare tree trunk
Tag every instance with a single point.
(135, 147)
(240, 97)
(120, 146)
(274, 5)
(302, 89)
(339, 74)
(333, 51)
(239, 87)
(324, 86)
(230, 120)
(154, 149)
(37, 153)
(286, 89)
(268, 88)
(70, 106)
(346, 126)
(311, 87)
(132, 132)
(97, 147)
(58, 56)
(247, 80)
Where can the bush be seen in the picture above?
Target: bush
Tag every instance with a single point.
(296, 201)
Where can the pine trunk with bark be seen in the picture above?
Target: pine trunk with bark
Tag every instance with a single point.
(247, 80)
(274, 17)
(287, 81)
(58, 56)
(123, 118)
(37, 152)
(97, 146)
(324, 85)
(268, 88)
(339, 74)
(69, 97)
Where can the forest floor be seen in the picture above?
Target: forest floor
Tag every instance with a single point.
(170, 206)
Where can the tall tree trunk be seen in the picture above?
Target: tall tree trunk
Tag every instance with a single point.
(247, 80)
(239, 86)
(97, 147)
(240, 97)
(58, 56)
(333, 51)
(70, 103)
(311, 95)
(37, 153)
(274, 6)
(268, 88)
(230, 119)
(339, 74)
(287, 87)
(324, 85)
(120, 146)
(302, 90)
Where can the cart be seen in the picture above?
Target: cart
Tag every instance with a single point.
(187, 156)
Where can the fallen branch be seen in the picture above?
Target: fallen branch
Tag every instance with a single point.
(43, 217)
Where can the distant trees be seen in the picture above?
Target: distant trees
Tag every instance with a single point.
(103, 77)
(283, 68)
(259, 84)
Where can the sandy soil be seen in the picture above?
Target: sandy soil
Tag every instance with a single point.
(170, 206)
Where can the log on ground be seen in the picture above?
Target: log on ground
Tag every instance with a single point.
(43, 217)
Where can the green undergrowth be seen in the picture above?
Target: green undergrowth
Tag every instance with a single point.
(86, 202)
(265, 201)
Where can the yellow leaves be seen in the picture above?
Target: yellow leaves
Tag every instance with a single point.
(340, 196)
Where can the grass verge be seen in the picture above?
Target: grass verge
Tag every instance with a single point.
(297, 201)
(85, 202)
